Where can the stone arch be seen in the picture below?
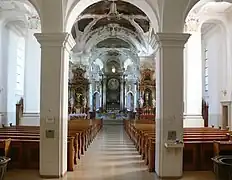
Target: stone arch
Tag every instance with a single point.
(217, 20)
(198, 17)
(14, 15)
(81, 5)
(35, 4)
(196, 6)
(131, 41)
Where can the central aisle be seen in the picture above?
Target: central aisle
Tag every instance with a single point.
(112, 155)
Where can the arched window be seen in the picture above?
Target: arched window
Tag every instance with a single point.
(20, 66)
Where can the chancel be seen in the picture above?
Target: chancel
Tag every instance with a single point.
(115, 89)
(112, 61)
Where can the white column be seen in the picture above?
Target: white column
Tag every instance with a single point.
(32, 75)
(100, 104)
(104, 93)
(135, 96)
(126, 98)
(193, 82)
(91, 97)
(169, 94)
(121, 94)
(54, 102)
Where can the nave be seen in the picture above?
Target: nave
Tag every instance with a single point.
(112, 155)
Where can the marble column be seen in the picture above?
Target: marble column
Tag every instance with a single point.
(55, 48)
(193, 81)
(169, 94)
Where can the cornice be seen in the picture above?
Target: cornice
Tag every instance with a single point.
(52, 39)
(171, 39)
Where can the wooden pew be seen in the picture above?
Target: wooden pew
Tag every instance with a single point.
(24, 148)
(198, 144)
(5, 146)
(222, 148)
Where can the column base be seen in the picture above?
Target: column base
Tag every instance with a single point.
(53, 176)
(163, 165)
(169, 177)
(193, 121)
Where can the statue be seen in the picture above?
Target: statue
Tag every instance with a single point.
(154, 102)
(141, 101)
(79, 98)
(85, 102)
(147, 96)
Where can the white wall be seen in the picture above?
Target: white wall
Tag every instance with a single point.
(4, 35)
(214, 42)
(16, 53)
(19, 72)
(32, 75)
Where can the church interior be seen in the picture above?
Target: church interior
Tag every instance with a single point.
(139, 87)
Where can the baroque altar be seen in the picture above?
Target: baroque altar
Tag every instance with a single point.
(147, 100)
(78, 93)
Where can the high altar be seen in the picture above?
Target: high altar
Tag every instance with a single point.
(147, 101)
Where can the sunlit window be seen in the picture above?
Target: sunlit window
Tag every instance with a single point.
(20, 66)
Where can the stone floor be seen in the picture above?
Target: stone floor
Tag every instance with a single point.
(111, 156)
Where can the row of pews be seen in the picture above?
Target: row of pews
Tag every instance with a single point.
(200, 144)
(21, 143)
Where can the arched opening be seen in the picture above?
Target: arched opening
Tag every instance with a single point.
(19, 64)
(206, 64)
(130, 101)
(115, 42)
(96, 101)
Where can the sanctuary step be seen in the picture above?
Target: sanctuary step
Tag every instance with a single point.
(112, 122)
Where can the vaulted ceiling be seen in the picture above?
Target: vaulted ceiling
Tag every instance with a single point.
(19, 13)
(113, 24)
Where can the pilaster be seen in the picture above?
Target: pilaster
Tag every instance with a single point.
(121, 94)
(104, 92)
(91, 97)
(169, 99)
(32, 75)
(55, 49)
(135, 96)
(193, 81)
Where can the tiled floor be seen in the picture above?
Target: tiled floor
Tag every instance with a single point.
(111, 156)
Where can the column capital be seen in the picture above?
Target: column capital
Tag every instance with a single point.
(171, 39)
(55, 40)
